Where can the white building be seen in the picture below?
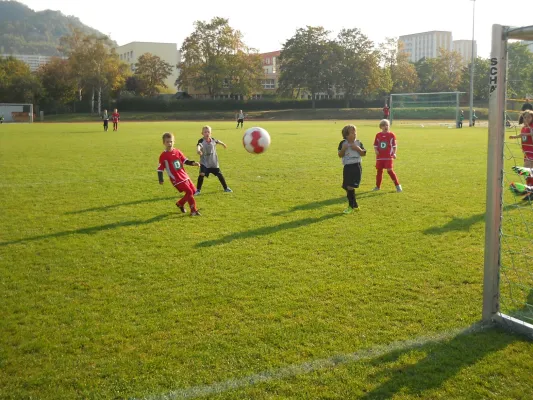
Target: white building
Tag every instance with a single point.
(33, 61)
(425, 44)
(464, 47)
(130, 53)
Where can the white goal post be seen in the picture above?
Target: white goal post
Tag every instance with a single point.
(16, 112)
(443, 106)
(508, 260)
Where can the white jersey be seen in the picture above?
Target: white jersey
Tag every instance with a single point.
(351, 156)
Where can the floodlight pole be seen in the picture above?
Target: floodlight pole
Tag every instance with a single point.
(472, 64)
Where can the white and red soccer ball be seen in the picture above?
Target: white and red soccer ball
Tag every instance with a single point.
(256, 140)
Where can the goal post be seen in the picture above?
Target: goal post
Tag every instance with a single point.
(508, 258)
(442, 106)
(16, 112)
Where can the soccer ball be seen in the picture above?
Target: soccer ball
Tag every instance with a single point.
(256, 140)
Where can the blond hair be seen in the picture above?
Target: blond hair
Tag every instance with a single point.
(206, 127)
(383, 122)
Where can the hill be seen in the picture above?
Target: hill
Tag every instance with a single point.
(25, 31)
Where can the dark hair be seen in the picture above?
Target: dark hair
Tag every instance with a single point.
(346, 130)
(167, 135)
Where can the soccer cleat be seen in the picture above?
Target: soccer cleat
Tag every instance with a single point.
(399, 188)
(349, 210)
(195, 213)
(197, 193)
(376, 189)
(520, 188)
(527, 172)
(357, 209)
(182, 208)
(528, 197)
(228, 190)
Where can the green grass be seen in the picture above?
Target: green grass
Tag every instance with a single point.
(106, 291)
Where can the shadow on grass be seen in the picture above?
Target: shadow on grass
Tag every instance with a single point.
(130, 203)
(319, 204)
(462, 224)
(91, 230)
(266, 230)
(443, 360)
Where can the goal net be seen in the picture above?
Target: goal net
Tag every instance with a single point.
(508, 270)
(16, 112)
(440, 106)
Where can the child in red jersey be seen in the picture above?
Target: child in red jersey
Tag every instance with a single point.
(526, 137)
(115, 117)
(385, 148)
(173, 160)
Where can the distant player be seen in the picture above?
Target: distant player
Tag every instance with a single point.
(105, 117)
(386, 111)
(115, 117)
(206, 149)
(385, 147)
(173, 161)
(1, 119)
(526, 106)
(351, 150)
(240, 118)
(474, 118)
(526, 138)
(461, 118)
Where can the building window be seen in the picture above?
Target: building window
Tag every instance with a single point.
(268, 84)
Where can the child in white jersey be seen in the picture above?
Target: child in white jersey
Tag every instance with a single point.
(351, 150)
(206, 149)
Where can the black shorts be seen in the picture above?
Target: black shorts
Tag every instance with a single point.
(106, 122)
(351, 175)
(240, 120)
(207, 171)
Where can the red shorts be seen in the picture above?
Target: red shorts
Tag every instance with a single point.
(384, 164)
(182, 186)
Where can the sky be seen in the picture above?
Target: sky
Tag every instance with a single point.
(266, 25)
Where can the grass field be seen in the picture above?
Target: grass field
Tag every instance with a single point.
(106, 291)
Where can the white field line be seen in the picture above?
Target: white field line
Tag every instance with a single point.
(310, 366)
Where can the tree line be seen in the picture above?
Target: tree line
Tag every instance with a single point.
(216, 61)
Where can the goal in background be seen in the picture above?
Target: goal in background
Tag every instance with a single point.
(16, 112)
(508, 265)
(441, 106)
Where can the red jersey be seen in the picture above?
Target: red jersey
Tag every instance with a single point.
(386, 111)
(173, 161)
(385, 145)
(115, 116)
(527, 142)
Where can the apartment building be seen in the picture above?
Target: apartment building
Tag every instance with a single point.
(464, 48)
(168, 52)
(33, 61)
(425, 44)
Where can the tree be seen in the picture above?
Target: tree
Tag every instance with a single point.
(481, 77)
(59, 84)
(17, 83)
(95, 65)
(245, 70)
(357, 65)
(214, 57)
(520, 73)
(402, 72)
(307, 62)
(151, 72)
(447, 70)
(425, 70)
